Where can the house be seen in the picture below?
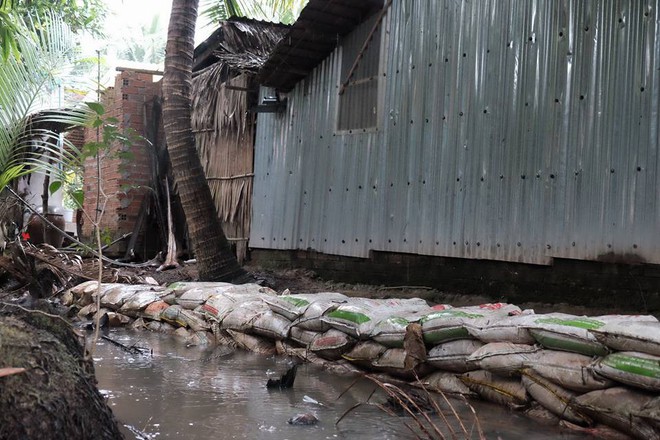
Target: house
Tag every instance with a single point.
(224, 89)
(499, 147)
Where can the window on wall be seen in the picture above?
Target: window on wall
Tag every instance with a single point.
(359, 87)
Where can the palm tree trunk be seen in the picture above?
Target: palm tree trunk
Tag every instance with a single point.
(214, 257)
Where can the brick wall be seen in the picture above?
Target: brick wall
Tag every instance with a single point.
(124, 179)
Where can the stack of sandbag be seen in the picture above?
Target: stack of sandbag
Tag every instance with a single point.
(586, 370)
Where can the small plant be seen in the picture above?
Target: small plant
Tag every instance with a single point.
(417, 409)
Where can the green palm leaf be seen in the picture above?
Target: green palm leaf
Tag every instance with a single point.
(46, 46)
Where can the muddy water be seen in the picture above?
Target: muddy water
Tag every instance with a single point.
(193, 393)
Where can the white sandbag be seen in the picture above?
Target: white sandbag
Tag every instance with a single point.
(256, 344)
(450, 324)
(392, 330)
(242, 316)
(301, 336)
(294, 306)
(572, 333)
(365, 353)
(271, 325)
(643, 336)
(452, 356)
(359, 316)
(114, 296)
(443, 382)
(640, 370)
(553, 398)
(136, 303)
(219, 305)
(331, 344)
(502, 390)
(393, 361)
(503, 328)
(572, 371)
(617, 407)
(503, 358)
(180, 287)
(192, 298)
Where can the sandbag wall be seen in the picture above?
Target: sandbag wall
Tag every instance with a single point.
(585, 370)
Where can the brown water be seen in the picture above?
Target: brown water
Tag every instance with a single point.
(194, 393)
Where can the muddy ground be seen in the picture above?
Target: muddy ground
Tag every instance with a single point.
(306, 281)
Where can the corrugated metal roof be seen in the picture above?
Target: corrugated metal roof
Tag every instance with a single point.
(312, 38)
(508, 130)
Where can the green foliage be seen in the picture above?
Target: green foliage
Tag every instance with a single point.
(144, 44)
(46, 46)
(279, 11)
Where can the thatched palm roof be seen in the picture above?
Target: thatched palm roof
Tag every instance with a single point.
(240, 43)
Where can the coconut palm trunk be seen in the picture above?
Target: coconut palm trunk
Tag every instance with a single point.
(215, 259)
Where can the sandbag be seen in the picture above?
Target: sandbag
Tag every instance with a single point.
(393, 361)
(503, 328)
(219, 305)
(114, 296)
(256, 344)
(498, 389)
(365, 353)
(450, 324)
(194, 320)
(452, 356)
(242, 316)
(559, 331)
(180, 287)
(136, 303)
(641, 336)
(553, 398)
(331, 344)
(503, 358)
(294, 306)
(160, 327)
(617, 407)
(271, 325)
(443, 382)
(359, 316)
(650, 413)
(392, 330)
(572, 371)
(192, 298)
(301, 336)
(154, 310)
(640, 370)
(172, 315)
(117, 319)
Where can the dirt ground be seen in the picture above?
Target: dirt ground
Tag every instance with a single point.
(306, 281)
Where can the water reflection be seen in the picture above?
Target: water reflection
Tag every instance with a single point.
(194, 393)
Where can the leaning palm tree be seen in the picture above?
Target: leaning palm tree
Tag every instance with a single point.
(215, 260)
(45, 47)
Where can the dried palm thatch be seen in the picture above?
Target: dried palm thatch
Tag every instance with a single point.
(223, 125)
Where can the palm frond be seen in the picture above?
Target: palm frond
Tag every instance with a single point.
(46, 46)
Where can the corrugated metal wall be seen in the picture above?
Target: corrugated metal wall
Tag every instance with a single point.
(509, 130)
